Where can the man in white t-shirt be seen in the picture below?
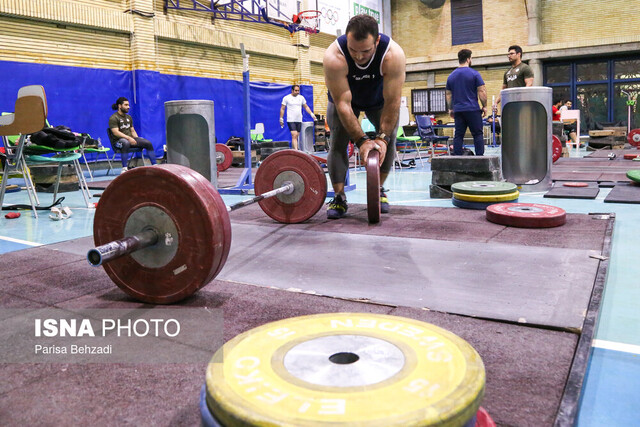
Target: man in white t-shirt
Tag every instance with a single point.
(294, 104)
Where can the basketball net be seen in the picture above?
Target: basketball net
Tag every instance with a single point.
(307, 21)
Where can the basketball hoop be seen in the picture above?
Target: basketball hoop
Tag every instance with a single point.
(307, 21)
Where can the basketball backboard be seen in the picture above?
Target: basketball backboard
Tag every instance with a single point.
(282, 10)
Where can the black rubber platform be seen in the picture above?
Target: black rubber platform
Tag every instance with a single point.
(534, 374)
(559, 191)
(624, 192)
(99, 185)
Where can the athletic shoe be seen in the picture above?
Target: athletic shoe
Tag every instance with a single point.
(337, 207)
(124, 169)
(384, 203)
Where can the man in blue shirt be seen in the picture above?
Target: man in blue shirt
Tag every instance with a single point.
(464, 87)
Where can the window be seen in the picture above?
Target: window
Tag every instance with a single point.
(428, 101)
(600, 88)
(627, 69)
(595, 71)
(466, 21)
(559, 73)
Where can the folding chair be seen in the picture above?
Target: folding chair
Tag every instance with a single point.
(570, 116)
(427, 134)
(29, 117)
(97, 151)
(132, 150)
(257, 134)
(40, 155)
(404, 145)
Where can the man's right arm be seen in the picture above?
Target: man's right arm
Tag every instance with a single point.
(495, 106)
(335, 77)
(449, 97)
(482, 94)
(504, 86)
(282, 115)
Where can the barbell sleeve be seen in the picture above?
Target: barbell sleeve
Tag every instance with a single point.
(117, 248)
(286, 188)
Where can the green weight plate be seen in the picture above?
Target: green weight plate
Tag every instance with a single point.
(485, 188)
(634, 175)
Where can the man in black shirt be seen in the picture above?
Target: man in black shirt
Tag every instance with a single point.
(125, 135)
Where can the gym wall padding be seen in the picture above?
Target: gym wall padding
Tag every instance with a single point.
(81, 99)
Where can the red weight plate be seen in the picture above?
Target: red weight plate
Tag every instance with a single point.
(526, 215)
(224, 157)
(309, 181)
(556, 149)
(226, 222)
(631, 156)
(575, 184)
(483, 419)
(200, 218)
(373, 186)
(350, 149)
(634, 137)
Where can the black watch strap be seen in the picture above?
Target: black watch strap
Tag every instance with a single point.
(362, 140)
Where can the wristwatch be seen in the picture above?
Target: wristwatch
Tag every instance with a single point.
(383, 136)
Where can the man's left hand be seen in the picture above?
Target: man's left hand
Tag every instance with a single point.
(484, 111)
(373, 144)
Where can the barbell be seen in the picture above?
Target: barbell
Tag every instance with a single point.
(163, 232)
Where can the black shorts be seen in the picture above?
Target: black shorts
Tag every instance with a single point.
(297, 126)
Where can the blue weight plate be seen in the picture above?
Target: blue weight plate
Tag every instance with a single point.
(206, 417)
(475, 205)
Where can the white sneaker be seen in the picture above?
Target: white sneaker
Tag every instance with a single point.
(124, 169)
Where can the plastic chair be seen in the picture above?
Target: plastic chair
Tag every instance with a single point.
(428, 135)
(570, 116)
(60, 159)
(29, 117)
(94, 150)
(404, 145)
(257, 134)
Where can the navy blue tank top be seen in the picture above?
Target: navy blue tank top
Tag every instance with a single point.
(365, 82)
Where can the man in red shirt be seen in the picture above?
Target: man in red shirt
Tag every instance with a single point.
(555, 109)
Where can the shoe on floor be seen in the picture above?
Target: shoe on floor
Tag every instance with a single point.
(124, 169)
(337, 207)
(384, 202)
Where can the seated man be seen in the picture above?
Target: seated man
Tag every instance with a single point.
(125, 136)
(570, 127)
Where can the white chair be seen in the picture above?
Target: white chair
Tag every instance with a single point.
(258, 132)
(30, 116)
(570, 116)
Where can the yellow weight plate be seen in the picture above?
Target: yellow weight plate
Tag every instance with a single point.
(345, 369)
(487, 199)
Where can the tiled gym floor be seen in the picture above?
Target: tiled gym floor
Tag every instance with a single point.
(612, 383)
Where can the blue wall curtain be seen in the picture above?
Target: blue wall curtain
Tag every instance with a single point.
(81, 99)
